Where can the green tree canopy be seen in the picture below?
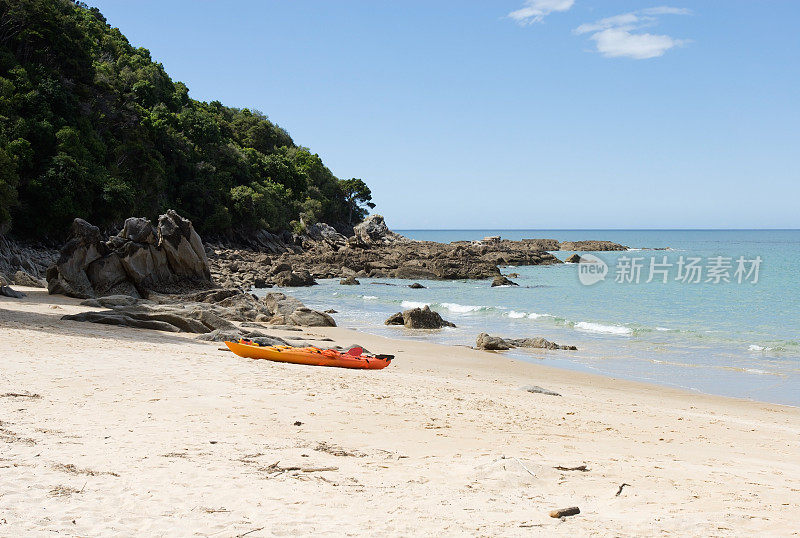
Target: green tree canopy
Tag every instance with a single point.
(92, 127)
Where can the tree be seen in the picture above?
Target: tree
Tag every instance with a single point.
(357, 199)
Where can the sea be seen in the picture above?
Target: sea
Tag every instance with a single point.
(709, 311)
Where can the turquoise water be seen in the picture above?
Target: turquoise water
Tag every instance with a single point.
(729, 338)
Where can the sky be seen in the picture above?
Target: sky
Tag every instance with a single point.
(513, 114)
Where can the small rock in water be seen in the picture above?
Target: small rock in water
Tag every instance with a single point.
(349, 281)
(575, 258)
(564, 512)
(539, 390)
(416, 286)
(503, 281)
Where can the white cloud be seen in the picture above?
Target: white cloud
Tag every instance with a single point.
(618, 36)
(536, 10)
(620, 43)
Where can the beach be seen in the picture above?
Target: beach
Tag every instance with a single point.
(119, 431)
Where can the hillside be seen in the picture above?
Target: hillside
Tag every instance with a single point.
(92, 127)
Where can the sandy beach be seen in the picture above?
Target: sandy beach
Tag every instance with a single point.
(116, 431)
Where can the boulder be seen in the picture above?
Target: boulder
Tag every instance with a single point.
(503, 281)
(496, 343)
(491, 343)
(419, 318)
(416, 286)
(373, 231)
(21, 278)
(111, 301)
(305, 317)
(7, 291)
(294, 279)
(140, 259)
(349, 281)
(575, 258)
(68, 275)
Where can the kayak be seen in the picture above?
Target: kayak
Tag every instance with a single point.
(311, 355)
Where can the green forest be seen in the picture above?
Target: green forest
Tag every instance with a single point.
(92, 127)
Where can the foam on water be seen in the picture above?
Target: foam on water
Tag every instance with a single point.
(603, 329)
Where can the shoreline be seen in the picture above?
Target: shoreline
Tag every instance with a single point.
(442, 441)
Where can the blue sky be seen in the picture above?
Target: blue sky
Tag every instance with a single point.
(514, 113)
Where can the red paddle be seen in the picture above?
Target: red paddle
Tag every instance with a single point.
(355, 351)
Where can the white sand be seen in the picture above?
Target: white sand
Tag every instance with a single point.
(442, 442)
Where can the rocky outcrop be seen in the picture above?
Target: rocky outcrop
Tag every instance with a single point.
(416, 286)
(295, 279)
(419, 318)
(503, 281)
(575, 258)
(591, 245)
(202, 312)
(496, 343)
(25, 264)
(21, 278)
(349, 281)
(140, 259)
(373, 231)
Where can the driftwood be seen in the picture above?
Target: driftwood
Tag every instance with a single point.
(277, 469)
(620, 489)
(564, 512)
(581, 468)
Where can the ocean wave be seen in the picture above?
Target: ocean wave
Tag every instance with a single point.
(603, 329)
(754, 347)
(413, 304)
(369, 297)
(452, 307)
(463, 308)
(516, 315)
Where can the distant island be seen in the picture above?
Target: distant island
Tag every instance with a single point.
(92, 127)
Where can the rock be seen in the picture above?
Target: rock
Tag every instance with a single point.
(539, 343)
(294, 279)
(575, 258)
(349, 281)
(416, 286)
(326, 234)
(7, 291)
(395, 319)
(419, 318)
(491, 343)
(183, 247)
(331, 311)
(539, 390)
(21, 278)
(261, 283)
(141, 258)
(496, 343)
(68, 276)
(111, 301)
(287, 310)
(503, 281)
(219, 335)
(592, 245)
(373, 230)
(114, 318)
(305, 317)
(564, 512)
(513, 275)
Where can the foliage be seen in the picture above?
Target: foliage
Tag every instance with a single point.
(91, 127)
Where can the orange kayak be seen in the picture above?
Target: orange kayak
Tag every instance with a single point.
(309, 355)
